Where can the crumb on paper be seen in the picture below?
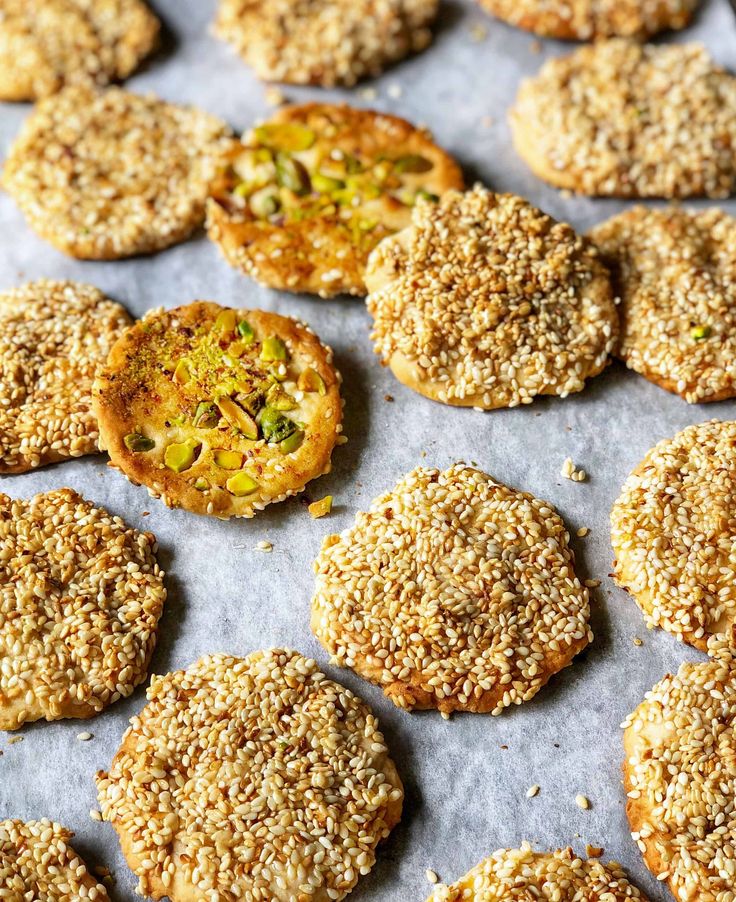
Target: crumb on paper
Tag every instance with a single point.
(478, 32)
(394, 91)
(637, 641)
(275, 96)
(388, 398)
(368, 93)
(320, 508)
(14, 739)
(593, 851)
(592, 583)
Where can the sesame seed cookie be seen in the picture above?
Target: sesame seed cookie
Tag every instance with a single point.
(309, 194)
(105, 174)
(585, 20)
(257, 774)
(679, 779)
(53, 338)
(521, 874)
(673, 531)
(622, 119)
(673, 270)
(485, 301)
(37, 861)
(219, 411)
(452, 592)
(47, 44)
(325, 42)
(80, 603)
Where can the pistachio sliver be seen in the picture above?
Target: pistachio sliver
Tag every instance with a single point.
(275, 426)
(310, 381)
(179, 456)
(241, 484)
(290, 137)
(291, 443)
(265, 202)
(245, 331)
(292, 174)
(226, 321)
(237, 417)
(201, 484)
(326, 183)
(700, 332)
(273, 349)
(182, 374)
(413, 162)
(136, 441)
(320, 508)
(280, 399)
(206, 416)
(226, 459)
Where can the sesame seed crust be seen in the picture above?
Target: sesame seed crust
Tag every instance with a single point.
(679, 778)
(106, 174)
(37, 861)
(53, 338)
(522, 874)
(47, 44)
(673, 270)
(673, 529)
(81, 595)
(324, 42)
(485, 301)
(620, 119)
(252, 779)
(452, 592)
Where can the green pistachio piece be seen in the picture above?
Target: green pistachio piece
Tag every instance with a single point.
(280, 399)
(700, 332)
(285, 136)
(325, 183)
(241, 484)
(242, 189)
(310, 380)
(134, 441)
(422, 194)
(273, 349)
(252, 399)
(238, 348)
(352, 164)
(266, 202)
(180, 456)
(245, 331)
(275, 426)
(225, 321)
(201, 484)
(182, 375)
(206, 415)
(291, 174)
(413, 162)
(237, 417)
(227, 460)
(292, 442)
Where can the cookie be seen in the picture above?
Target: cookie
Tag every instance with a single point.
(47, 44)
(108, 174)
(219, 411)
(309, 194)
(622, 119)
(521, 874)
(485, 301)
(253, 773)
(585, 20)
(674, 272)
(679, 778)
(452, 592)
(82, 597)
(37, 861)
(54, 336)
(324, 42)
(673, 531)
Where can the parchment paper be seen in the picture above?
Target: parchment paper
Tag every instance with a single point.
(465, 779)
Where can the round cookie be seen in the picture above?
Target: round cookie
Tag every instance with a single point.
(673, 530)
(521, 874)
(680, 781)
(622, 119)
(219, 411)
(47, 44)
(38, 862)
(257, 773)
(674, 270)
(585, 20)
(79, 609)
(309, 194)
(485, 301)
(54, 336)
(324, 42)
(108, 174)
(453, 592)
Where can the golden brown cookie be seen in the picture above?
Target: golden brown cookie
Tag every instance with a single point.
(622, 119)
(673, 529)
(108, 174)
(219, 411)
(54, 336)
(81, 598)
(452, 592)
(308, 195)
(521, 874)
(324, 42)
(257, 773)
(675, 273)
(47, 44)
(485, 301)
(38, 862)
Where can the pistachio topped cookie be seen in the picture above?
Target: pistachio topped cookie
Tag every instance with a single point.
(219, 411)
(307, 195)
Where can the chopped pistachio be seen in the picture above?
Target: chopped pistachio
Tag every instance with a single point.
(352, 164)
(273, 349)
(241, 484)
(265, 202)
(135, 441)
(278, 372)
(423, 194)
(180, 456)
(325, 183)
(182, 373)
(310, 380)
(238, 348)
(413, 162)
(700, 332)
(320, 508)
(293, 442)
(227, 460)
(225, 321)
(292, 174)
(201, 484)
(285, 136)
(242, 189)
(280, 399)
(245, 331)
(252, 399)
(237, 417)
(206, 416)
(275, 426)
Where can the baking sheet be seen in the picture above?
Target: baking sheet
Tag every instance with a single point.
(465, 779)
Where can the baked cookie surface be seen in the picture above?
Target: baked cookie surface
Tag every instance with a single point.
(47, 44)
(105, 174)
(324, 42)
(673, 530)
(80, 599)
(37, 861)
(219, 411)
(309, 194)
(485, 301)
(622, 119)
(53, 338)
(435, 589)
(521, 874)
(675, 273)
(251, 778)
(679, 778)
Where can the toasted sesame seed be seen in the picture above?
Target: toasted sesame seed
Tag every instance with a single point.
(263, 545)
(592, 583)
(532, 791)
(15, 739)
(637, 641)
(84, 737)
(582, 802)
(95, 814)
(583, 531)
(431, 876)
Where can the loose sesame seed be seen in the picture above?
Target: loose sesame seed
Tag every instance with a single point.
(84, 737)
(583, 531)
(263, 545)
(582, 802)
(532, 791)
(431, 876)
